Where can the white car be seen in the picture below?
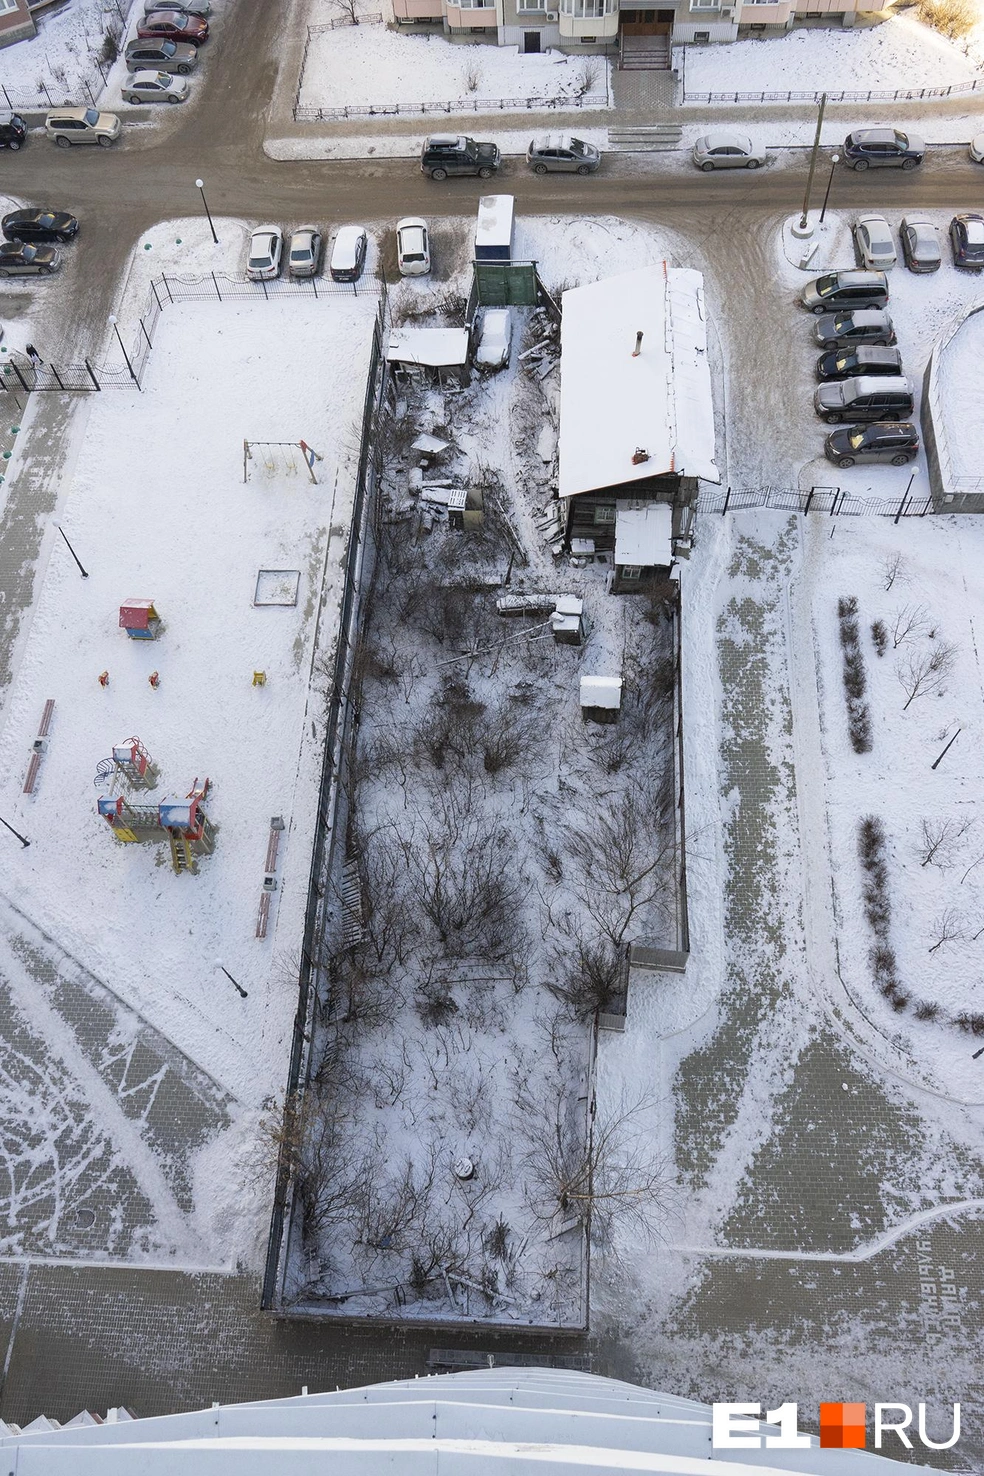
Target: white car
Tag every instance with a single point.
(265, 250)
(876, 246)
(141, 87)
(412, 247)
(726, 149)
(977, 148)
(496, 337)
(304, 252)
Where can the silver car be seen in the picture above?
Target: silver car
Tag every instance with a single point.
(920, 244)
(304, 252)
(154, 87)
(561, 152)
(726, 149)
(873, 238)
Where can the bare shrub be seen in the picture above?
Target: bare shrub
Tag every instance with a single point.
(436, 1006)
(592, 977)
(879, 637)
(926, 671)
(505, 738)
(926, 1011)
(472, 78)
(854, 675)
(970, 1024)
(110, 49)
(625, 861)
(894, 567)
(952, 18)
(940, 841)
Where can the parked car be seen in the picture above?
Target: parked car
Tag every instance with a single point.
(967, 241)
(495, 338)
(845, 290)
(19, 259)
(845, 363)
(69, 126)
(873, 239)
(562, 153)
(725, 149)
(445, 154)
(304, 252)
(897, 444)
(46, 226)
(920, 244)
(882, 148)
(174, 25)
(13, 131)
(163, 56)
(196, 7)
(864, 398)
(976, 149)
(266, 246)
(154, 87)
(413, 247)
(868, 325)
(348, 254)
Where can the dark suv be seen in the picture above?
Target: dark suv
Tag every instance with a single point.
(882, 148)
(870, 325)
(896, 444)
(13, 130)
(446, 154)
(843, 363)
(864, 398)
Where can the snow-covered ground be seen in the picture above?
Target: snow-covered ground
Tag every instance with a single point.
(53, 67)
(371, 66)
(156, 507)
(898, 53)
(959, 396)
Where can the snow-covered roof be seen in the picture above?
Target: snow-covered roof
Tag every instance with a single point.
(438, 347)
(643, 533)
(495, 221)
(615, 403)
(495, 1420)
(601, 691)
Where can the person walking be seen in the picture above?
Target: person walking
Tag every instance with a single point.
(34, 356)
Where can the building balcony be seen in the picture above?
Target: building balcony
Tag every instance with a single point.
(410, 10)
(469, 18)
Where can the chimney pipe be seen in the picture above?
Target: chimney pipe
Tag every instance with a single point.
(638, 348)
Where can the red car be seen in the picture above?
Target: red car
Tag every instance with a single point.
(176, 25)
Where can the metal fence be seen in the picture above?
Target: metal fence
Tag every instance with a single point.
(280, 1219)
(833, 501)
(900, 94)
(460, 105)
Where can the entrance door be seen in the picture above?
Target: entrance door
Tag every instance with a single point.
(531, 43)
(638, 22)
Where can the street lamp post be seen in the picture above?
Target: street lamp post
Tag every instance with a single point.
(223, 970)
(211, 224)
(113, 324)
(22, 838)
(834, 161)
(82, 571)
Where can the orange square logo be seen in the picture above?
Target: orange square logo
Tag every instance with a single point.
(842, 1427)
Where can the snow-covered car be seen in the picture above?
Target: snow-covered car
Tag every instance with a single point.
(19, 259)
(967, 241)
(976, 149)
(413, 247)
(141, 87)
(864, 398)
(726, 149)
(304, 252)
(266, 246)
(920, 244)
(873, 238)
(882, 148)
(562, 153)
(495, 340)
(348, 253)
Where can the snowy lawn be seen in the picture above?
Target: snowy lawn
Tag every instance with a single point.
(175, 523)
(960, 393)
(371, 66)
(898, 53)
(53, 67)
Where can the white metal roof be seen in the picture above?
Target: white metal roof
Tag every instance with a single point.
(438, 347)
(614, 404)
(495, 221)
(601, 691)
(643, 533)
(493, 1422)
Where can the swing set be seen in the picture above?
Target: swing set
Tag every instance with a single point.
(279, 456)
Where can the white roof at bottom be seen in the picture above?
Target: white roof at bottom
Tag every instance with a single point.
(493, 1422)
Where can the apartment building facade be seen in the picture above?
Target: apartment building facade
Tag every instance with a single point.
(16, 21)
(576, 25)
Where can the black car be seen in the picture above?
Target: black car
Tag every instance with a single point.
(445, 154)
(161, 56)
(40, 225)
(896, 444)
(882, 148)
(13, 131)
(967, 241)
(18, 259)
(840, 330)
(844, 363)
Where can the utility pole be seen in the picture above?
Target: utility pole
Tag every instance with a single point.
(804, 225)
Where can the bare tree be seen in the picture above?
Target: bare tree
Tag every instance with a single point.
(908, 622)
(625, 859)
(947, 928)
(940, 839)
(894, 567)
(923, 672)
(348, 10)
(590, 977)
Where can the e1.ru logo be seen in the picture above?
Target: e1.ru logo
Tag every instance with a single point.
(842, 1427)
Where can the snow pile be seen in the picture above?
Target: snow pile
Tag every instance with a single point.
(898, 53)
(369, 66)
(959, 401)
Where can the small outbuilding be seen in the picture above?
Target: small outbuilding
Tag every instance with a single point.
(601, 698)
(435, 353)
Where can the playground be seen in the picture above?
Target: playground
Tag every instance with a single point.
(161, 754)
